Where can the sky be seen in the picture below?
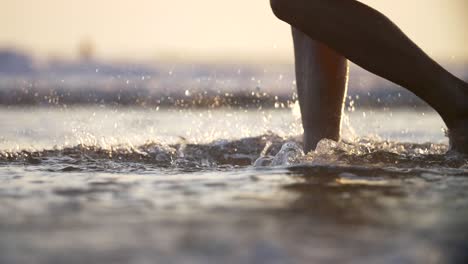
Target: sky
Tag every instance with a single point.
(202, 29)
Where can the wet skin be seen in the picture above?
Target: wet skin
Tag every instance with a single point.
(366, 37)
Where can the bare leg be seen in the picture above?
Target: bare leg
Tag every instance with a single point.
(369, 39)
(321, 76)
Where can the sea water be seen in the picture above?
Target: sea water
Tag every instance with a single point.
(134, 185)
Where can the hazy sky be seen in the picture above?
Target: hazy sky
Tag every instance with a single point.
(185, 28)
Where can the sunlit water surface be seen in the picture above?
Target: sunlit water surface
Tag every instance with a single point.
(104, 185)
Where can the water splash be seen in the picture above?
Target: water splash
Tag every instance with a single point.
(290, 153)
(262, 151)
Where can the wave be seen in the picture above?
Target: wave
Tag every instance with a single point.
(268, 150)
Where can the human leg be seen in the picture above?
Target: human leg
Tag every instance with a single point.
(368, 38)
(321, 77)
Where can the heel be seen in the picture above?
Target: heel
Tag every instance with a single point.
(458, 137)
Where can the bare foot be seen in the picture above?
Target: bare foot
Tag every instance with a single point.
(458, 137)
(457, 120)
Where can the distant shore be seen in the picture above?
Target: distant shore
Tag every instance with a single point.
(26, 82)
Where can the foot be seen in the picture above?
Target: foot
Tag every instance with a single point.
(458, 137)
(458, 122)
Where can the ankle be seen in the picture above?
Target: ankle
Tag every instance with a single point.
(312, 138)
(458, 136)
(455, 109)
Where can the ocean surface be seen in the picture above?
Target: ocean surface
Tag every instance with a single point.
(135, 185)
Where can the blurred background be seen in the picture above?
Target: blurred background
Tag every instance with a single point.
(154, 53)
